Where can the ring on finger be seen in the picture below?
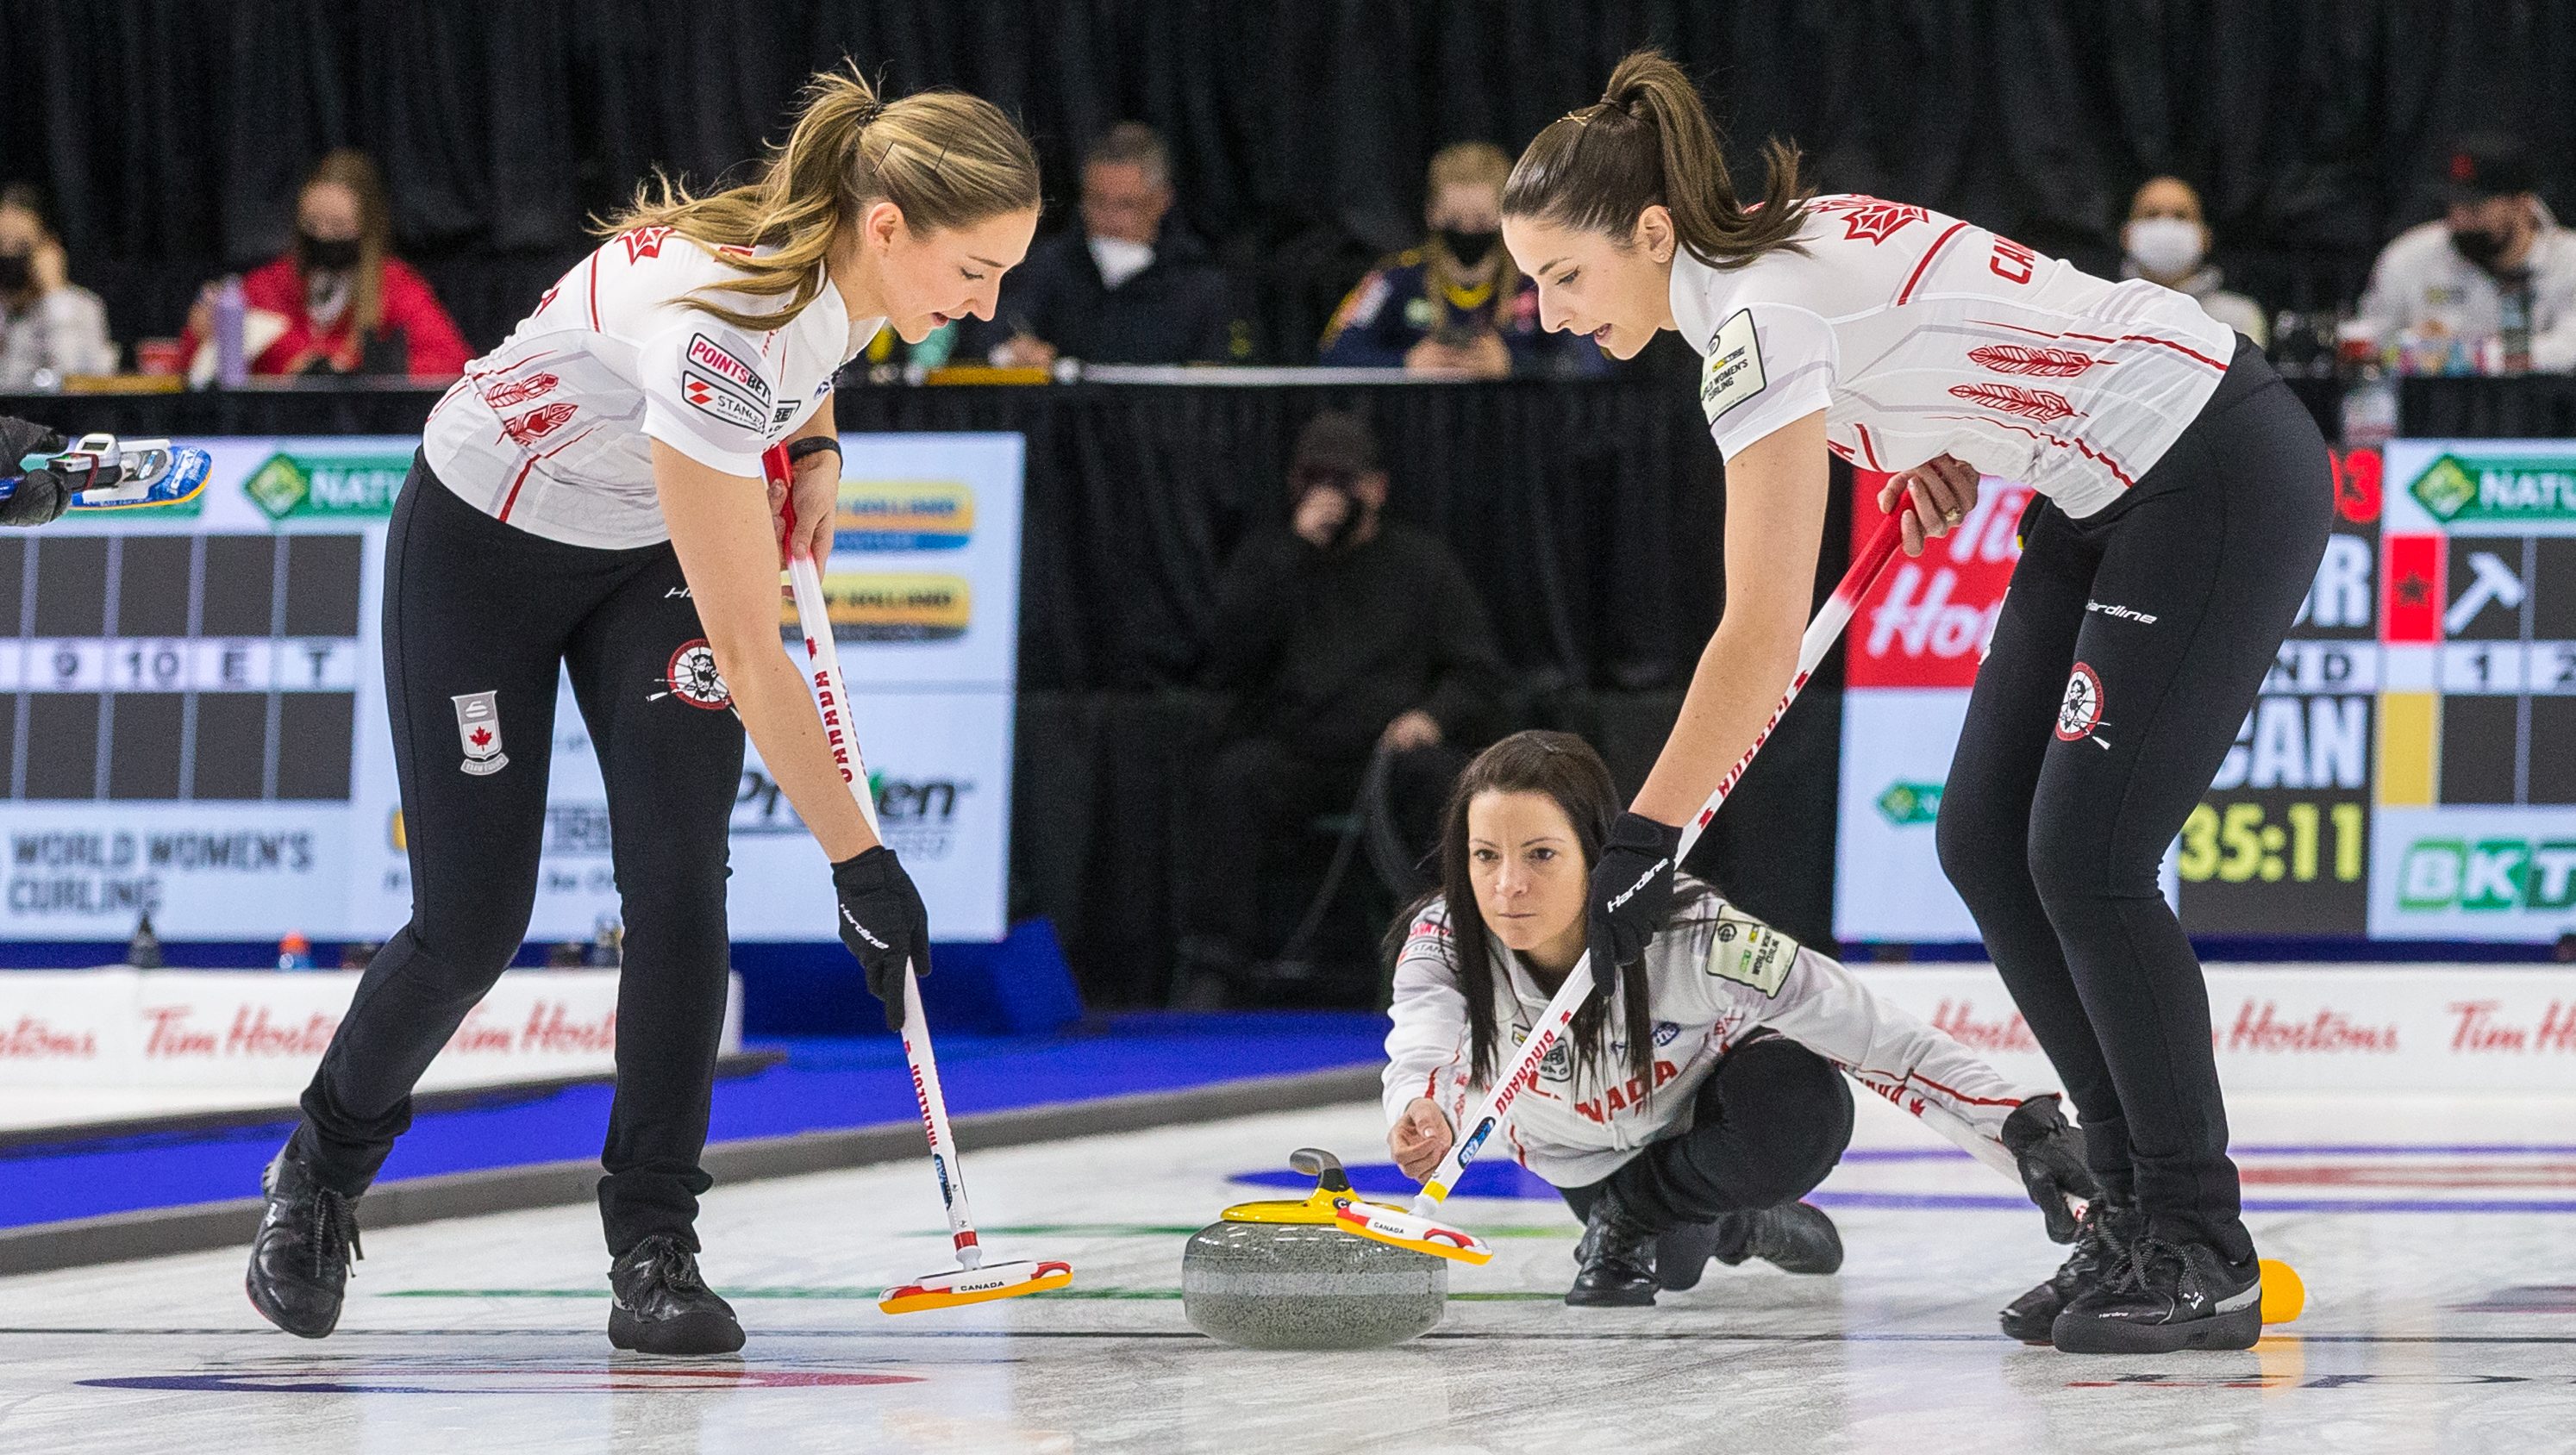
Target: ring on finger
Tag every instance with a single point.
(1953, 515)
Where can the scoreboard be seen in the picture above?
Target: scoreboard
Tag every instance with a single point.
(2408, 771)
(221, 666)
(2476, 784)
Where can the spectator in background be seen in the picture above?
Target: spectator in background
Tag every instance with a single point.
(1455, 306)
(1130, 286)
(1337, 635)
(50, 327)
(338, 301)
(2497, 266)
(2167, 241)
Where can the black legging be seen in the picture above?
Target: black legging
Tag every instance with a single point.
(1766, 1127)
(2128, 651)
(473, 605)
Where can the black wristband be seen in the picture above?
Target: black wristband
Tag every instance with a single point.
(812, 444)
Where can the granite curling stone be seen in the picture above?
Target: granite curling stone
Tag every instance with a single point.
(1282, 1275)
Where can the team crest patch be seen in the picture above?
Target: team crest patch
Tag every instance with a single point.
(2081, 710)
(1747, 951)
(692, 678)
(478, 726)
(1734, 370)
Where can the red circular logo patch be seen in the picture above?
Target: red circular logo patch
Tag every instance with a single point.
(2081, 712)
(693, 677)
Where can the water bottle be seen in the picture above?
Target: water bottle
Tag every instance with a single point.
(232, 370)
(2370, 409)
(294, 952)
(2513, 311)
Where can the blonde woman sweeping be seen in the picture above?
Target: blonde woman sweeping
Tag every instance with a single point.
(589, 498)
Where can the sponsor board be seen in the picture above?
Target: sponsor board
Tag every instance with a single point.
(2497, 873)
(2304, 1028)
(904, 515)
(260, 1031)
(324, 481)
(1896, 756)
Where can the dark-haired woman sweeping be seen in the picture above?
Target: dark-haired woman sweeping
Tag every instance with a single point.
(2183, 500)
(589, 499)
(1700, 1097)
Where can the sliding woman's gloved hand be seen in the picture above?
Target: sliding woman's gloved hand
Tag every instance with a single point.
(2051, 1156)
(42, 494)
(883, 923)
(1632, 889)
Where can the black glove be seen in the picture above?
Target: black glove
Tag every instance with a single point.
(883, 923)
(42, 495)
(1632, 888)
(2051, 1156)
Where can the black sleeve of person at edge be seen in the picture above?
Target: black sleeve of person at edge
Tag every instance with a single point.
(883, 923)
(2050, 1153)
(1632, 886)
(41, 495)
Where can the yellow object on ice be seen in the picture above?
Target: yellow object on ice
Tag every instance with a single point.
(2285, 1294)
(963, 1286)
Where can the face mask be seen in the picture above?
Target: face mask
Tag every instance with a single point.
(15, 273)
(1119, 259)
(1469, 248)
(2479, 247)
(318, 256)
(2167, 247)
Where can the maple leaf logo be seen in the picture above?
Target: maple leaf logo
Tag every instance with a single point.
(1870, 220)
(2045, 405)
(482, 737)
(2022, 359)
(644, 242)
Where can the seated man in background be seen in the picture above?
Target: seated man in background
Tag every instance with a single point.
(2167, 241)
(1455, 306)
(2496, 267)
(1129, 286)
(1340, 635)
(50, 327)
(338, 301)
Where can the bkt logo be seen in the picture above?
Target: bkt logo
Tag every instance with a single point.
(2487, 874)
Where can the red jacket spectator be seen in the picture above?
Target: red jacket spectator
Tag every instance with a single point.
(339, 301)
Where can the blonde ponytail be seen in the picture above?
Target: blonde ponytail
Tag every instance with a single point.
(945, 158)
(1648, 142)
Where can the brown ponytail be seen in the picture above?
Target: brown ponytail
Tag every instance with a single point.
(946, 158)
(1648, 142)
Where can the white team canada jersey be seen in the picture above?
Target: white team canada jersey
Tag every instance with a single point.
(1714, 975)
(549, 431)
(1921, 335)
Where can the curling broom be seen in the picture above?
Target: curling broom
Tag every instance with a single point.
(972, 1280)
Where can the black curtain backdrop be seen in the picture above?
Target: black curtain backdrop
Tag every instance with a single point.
(171, 133)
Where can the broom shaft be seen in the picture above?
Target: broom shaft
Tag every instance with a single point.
(1522, 1071)
(823, 658)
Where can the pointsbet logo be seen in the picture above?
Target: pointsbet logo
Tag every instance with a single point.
(2487, 874)
(2500, 488)
(290, 484)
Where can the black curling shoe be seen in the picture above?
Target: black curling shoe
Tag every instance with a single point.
(662, 1305)
(1792, 1237)
(299, 1260)
(1618, 1258)
(2165, 1297)
(2101, 1239)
